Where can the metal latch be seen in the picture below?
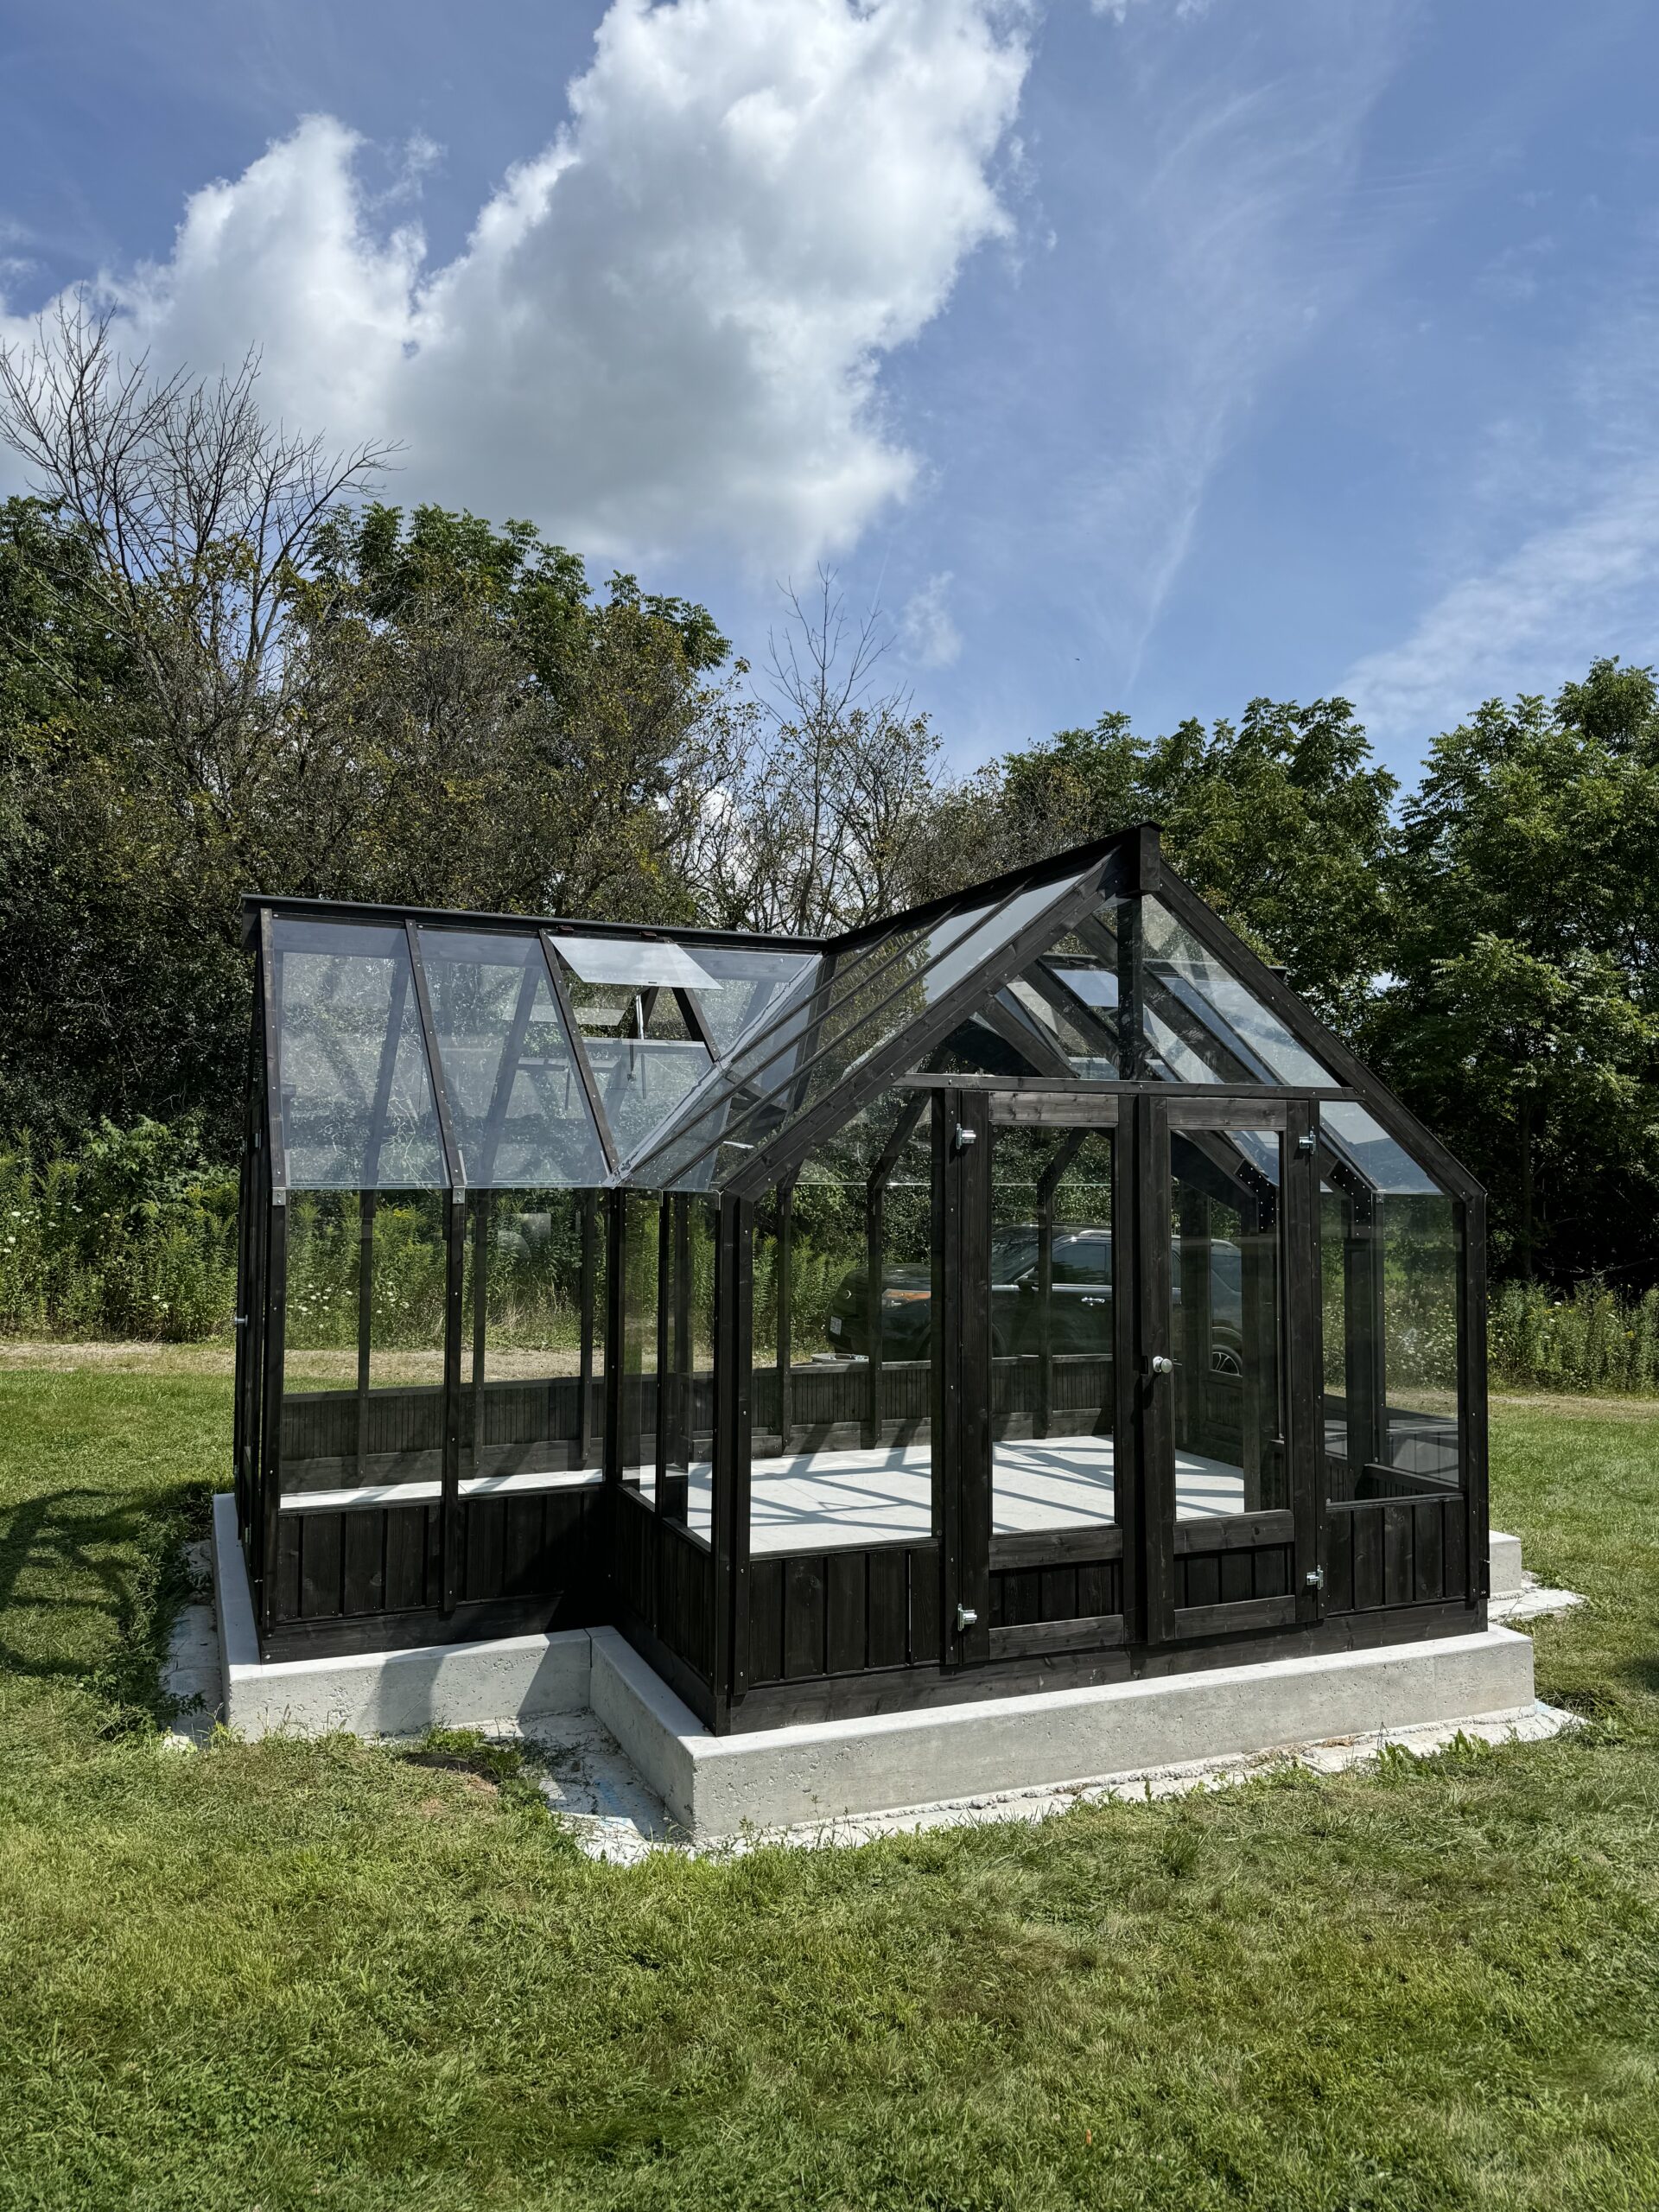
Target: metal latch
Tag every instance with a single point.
(1308, 1145)
(966, 1619)
(965, 1136)
(1315, 1578)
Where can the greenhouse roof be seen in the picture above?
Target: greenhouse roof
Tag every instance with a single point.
(418, 1048)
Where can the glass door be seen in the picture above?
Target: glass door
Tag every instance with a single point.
(1227, 1314)
(1037, 1501)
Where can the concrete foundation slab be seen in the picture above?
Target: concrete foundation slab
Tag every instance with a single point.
(789, 1779)
(503, 1683)
(1505, 1555)
(831, 1771)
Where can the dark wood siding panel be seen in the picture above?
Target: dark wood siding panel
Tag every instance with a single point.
(1383, 1554)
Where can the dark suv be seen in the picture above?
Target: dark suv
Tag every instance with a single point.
(1080, 1315)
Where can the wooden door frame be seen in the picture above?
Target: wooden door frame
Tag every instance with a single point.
(1295, 1119)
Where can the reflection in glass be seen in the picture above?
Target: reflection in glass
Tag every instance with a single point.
(870, 997)
(1226, 1325)
(843, 1290)
(1052, 1348)
(749, 988)
(356, 1097)
(639, 962)
(534, 1306)
(517, 1102)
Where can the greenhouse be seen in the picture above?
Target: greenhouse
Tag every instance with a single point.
(1024, 1292)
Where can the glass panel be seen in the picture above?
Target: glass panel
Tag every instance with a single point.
(362, 1405)
(357, 1105)
(1355, 1137)
(868, 1002)
(324, 1312)
(748, 988)
(840, 1395)
(1226, 1324)
(1421, 1256)
(747, 1103)
(1228, 1024)
(1052, 1377)
(516, 1100)
(642, 1227)
(689, 1237)
(641, 1081)
(640, 961)
(535, 1364)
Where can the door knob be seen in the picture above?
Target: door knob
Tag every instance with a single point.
(1161, 1364)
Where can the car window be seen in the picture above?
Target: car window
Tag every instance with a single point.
(1085, 1257)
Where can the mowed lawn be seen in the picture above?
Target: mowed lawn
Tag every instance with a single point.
(292, 1974)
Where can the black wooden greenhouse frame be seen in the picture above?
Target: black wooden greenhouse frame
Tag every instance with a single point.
(1023, 1291)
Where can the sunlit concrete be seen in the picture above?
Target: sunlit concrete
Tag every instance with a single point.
(811, 1501)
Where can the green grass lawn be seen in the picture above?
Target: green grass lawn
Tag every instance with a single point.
(293, 1975)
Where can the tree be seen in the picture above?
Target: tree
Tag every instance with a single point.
(1522, 1012)
(827, 798)
(1280, 820)
(214, 676)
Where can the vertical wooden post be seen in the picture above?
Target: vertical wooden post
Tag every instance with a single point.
(1471, 1219)
(365, 1205)
(455, 1207)
(482, 1208)
(1153, 1394)
(270, 1470)
(664, 1426)
(785, 1289)
(1302, 1386)
(734, 1362)
(586, 1299)
(961, 1362)
(875, 1191)
(622, 1448)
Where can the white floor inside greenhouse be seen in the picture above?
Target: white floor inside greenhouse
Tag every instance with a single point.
(816, 1500)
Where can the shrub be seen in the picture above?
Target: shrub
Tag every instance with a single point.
(133, 1235)
(1592, 1339)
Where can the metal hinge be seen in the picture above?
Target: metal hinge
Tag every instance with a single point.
(1314, 1578)
(1308, 1145)
(965, 1136)
(966, 1619)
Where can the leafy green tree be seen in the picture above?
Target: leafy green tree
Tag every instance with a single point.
(1521, 1012)
(214, 677)
(1280, 820)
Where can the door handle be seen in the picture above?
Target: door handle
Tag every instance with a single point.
(1160, 1363)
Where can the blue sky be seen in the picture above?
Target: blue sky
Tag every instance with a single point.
(1151, 356)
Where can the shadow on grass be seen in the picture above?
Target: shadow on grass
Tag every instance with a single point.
(91, 1583)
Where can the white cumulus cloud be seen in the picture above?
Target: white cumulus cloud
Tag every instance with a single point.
(666, 326)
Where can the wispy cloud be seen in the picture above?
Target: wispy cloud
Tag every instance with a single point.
(1559, 561)
(926, 631)
(1233, 237)
(1586, 586)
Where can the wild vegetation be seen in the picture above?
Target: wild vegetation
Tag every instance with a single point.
(224, 666)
